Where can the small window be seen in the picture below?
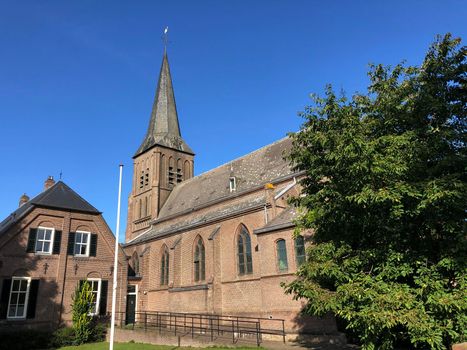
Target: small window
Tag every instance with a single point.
(95, 286)
(135, 263)
(165, 268)
(233, 184)
(44, 240)
(141, 180)
(300, 254)
(245, 263)
(19, 294)
(199, 261)
(82, 243)
(146, 178)
(281, 248)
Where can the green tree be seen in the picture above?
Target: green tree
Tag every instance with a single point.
(385, 193)
(83, 325)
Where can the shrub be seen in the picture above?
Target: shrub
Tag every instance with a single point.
(81, 309)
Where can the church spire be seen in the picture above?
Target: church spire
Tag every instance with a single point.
(164, 129)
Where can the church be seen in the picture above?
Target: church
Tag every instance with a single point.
(217, 243)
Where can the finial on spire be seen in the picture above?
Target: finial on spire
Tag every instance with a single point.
(165, 37)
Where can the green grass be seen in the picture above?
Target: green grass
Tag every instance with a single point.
(139, 346)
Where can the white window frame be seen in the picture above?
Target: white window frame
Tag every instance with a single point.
(136, 299)
(233, 184)
(88, 245)
(26, 299)
(52, 236)
(98, 299)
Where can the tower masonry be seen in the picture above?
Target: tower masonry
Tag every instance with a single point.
(161, 162)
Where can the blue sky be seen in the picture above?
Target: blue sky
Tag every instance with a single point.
(77, 78)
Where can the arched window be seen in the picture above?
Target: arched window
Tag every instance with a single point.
(300, 254)
(135, 263)
(165, 267)
(163, 171)
(281, 249)
(199, 260)
(186, 170)
(245, 265)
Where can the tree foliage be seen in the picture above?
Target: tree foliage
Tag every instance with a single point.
(83, 325)
(385, 193)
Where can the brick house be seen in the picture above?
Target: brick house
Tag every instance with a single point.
(217, 243)
(47, 246)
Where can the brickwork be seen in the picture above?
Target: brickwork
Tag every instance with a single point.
(224, 290)
(59, 274)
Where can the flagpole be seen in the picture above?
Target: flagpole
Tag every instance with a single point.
(114, 286)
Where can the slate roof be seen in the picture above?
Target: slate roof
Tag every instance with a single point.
(284, 220)
(171, 227)
(252, 170)
(164, 129)
(58, 196)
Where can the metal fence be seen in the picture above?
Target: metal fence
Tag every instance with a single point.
(213, 326)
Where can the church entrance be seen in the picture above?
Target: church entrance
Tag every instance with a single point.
(131, 304)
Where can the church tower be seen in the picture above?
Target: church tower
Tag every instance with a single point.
(162, 160)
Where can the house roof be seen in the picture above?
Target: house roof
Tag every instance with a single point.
(58, 196)
(255, 169)
(164, 129)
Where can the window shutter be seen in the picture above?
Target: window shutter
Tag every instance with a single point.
(93, 248)
(32, 240)
(103, 301)
(71, 243)
(4, 297)
(57, 242)
(32, 299)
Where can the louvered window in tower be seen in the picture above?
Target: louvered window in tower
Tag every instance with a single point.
(141, 180)
(172, 174)
(146, 178)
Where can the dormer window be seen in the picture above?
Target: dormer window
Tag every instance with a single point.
(233, 184)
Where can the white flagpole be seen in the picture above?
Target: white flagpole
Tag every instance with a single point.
(114, 289)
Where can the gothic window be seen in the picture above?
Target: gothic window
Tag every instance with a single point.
(281, 249)
(146, 209)
(135, 263)
(140, 212)
(186, 170)
(245, 265)
(163, 171)
(165, 267)
(199, 260)
(300, 254)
